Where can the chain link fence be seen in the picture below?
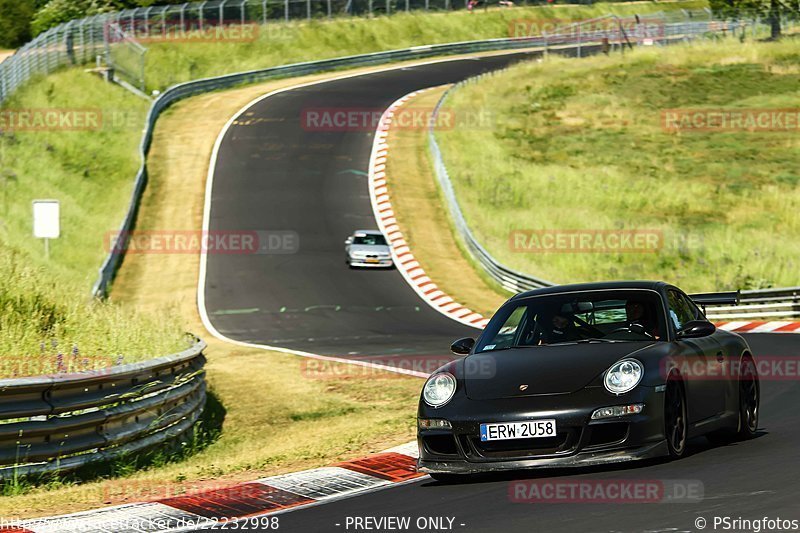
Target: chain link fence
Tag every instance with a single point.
(118, 39)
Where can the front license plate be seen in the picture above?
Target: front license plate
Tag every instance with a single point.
(372, 260)
(518, 430)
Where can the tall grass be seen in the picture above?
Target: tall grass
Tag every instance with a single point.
(47, 323)
(579, 144)
(283, 43)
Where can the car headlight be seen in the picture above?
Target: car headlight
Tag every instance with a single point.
(439, 389)
(623, 376)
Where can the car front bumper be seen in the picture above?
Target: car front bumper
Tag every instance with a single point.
(588, 458)
(381, 263)
(580, 441)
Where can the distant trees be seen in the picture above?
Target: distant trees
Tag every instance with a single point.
(20, 20)
(15, 22)
(771, 10)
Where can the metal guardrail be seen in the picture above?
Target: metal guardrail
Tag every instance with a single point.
(63, 422)
(753, 304)
(184, 90)
(760, 304)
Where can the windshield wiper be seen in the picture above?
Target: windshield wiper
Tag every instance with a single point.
(515, 347)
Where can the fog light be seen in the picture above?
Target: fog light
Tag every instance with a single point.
(618, 410)
(434, 423)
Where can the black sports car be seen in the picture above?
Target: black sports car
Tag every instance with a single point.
(585, 374)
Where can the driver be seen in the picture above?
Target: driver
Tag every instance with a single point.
(637, 314)
(561, 329)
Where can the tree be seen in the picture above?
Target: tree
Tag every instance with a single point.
(15, 22)
(771, 10)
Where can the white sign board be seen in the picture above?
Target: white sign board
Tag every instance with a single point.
(46, 219)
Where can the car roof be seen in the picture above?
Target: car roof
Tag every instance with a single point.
(367, 232)
(599, 285)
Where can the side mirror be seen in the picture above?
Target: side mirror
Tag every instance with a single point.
(462, 346)
(696, 328)
(348, 240)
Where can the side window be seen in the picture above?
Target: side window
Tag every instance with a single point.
(681, 310)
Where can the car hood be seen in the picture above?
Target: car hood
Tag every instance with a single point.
(557, 369)
(370, 249)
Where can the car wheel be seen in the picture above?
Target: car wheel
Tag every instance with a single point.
(749, 396)
(676, 424)
(448, 478)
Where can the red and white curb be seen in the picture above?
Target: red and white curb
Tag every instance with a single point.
(760, 326)
(404, 260)
(251, 504)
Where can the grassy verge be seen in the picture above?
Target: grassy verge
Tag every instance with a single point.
(47, 322)
(279, 415)
(419, 208)
(282, 43)
(580, 145)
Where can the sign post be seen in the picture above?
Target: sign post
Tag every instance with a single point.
(46, 223)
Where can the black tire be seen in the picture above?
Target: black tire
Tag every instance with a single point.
(749, 399)
(676, 420)
(449, 478)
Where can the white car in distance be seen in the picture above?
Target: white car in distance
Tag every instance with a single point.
(368, 248)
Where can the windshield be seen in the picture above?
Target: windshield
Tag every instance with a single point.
(592, 316)
(369, 240)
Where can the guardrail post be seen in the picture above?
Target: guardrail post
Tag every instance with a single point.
(407, 6)
(286, 10)
(308, 9)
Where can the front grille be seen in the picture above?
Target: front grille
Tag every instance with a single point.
(563, 442)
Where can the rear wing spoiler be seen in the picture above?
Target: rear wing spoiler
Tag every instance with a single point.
(716, 298)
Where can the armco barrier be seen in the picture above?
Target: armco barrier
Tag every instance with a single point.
(781, 303)
(588, 40)
(62, 422)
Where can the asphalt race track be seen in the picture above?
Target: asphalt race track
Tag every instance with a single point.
(274, 175)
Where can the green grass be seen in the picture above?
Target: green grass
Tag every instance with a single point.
(580, 145)
(283, 43)
(44, 304)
